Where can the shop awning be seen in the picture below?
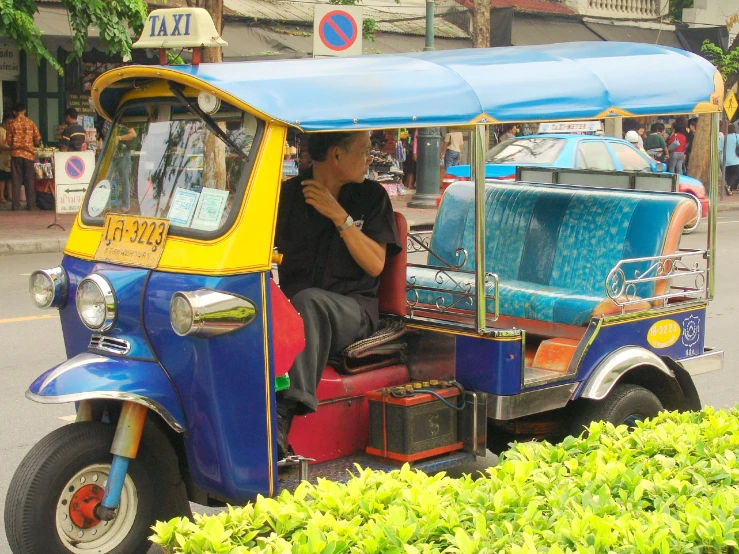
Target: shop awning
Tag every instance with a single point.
(622, 33)
(549, 30)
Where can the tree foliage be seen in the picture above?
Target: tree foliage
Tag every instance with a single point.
(676, 8)
(113, 18)
(727, 64)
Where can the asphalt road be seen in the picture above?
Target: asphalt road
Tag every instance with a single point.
(31, 342)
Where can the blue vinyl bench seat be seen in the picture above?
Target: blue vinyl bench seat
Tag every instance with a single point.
(552, 246)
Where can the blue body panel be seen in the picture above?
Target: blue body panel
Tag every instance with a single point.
(566, 159)
(111, 378)
(523, 83)
(225, 384)
(489, 365)
(128, 284)
(613, 335)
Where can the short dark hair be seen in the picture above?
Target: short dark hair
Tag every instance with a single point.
(732, 129)
(655, 128)
(629, 125)
(693, 121)
(19, 107)
(319, 143)
(71, 112)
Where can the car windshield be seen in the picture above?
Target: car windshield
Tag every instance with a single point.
(533, 150)
(161, 160)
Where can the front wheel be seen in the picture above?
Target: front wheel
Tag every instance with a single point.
(625, 405)
(50, 506)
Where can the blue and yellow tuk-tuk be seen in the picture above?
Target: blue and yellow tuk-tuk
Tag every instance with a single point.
(530, 310)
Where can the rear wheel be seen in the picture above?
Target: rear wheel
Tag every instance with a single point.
(625, 405)
(50, 507)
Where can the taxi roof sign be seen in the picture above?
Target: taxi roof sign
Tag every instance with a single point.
(179, 28)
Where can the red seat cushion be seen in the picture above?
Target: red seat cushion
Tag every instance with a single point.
(391, 294)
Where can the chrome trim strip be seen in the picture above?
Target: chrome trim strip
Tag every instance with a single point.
(214, 313)
(615, 365)
(109, 395)
(710, 360)
(676, 308)
(531, 402)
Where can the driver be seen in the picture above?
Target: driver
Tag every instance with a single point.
(335, 229)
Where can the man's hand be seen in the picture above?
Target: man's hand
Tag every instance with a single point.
(323, 201)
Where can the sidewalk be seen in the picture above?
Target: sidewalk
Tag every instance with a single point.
(27, 232)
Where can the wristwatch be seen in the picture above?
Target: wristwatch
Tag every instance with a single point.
(348, 222)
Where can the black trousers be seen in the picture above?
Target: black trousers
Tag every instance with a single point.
(22, 173)
(332, 322)
(732, 176)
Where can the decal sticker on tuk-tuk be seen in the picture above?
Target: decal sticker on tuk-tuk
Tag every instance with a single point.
(691, 333)
(664, 333)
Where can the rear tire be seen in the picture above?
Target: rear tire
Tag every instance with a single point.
(66, 469)
(625, 405)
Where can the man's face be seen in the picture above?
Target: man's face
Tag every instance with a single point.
(353, 163)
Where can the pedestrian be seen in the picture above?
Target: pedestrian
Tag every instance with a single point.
(5, 176)
(451, 150)
(676, 145)
(73, 136)
(655, 144)
(23, 137)
(692, 126)
(120, 165)
(732, 159)
(509, 132)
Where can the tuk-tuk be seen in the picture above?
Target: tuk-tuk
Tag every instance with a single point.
(528, 311)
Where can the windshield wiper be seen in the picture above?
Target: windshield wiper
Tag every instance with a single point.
(209, 121)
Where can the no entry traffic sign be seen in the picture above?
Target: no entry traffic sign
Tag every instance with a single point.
(75, 167)
(337, 32)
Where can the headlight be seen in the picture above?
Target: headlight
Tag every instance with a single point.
(48, 287)
(96, 303)
(208, 313)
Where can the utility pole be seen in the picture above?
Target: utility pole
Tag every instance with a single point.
(428, 180)
(481, 24)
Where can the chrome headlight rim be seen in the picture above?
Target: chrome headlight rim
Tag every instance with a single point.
(109, 298)
(57, 277)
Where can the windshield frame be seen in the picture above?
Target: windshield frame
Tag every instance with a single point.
(186, 232)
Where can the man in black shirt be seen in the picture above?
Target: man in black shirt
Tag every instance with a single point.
(73, 136)
(335, 229)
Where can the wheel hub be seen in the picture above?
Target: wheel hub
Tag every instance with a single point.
(77, 523)
(83, 504)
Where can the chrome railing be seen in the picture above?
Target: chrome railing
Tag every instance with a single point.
(621, 288)
(455, 287)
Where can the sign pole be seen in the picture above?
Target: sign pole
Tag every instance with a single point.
(56, 222)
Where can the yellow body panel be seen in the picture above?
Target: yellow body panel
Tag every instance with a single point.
(246, 247)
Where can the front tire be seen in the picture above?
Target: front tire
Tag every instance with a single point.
(49, 506)
(625, 405)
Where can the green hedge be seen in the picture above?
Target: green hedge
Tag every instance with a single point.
(668, 487)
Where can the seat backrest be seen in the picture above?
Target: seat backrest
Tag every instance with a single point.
(559, 235)
(391, 294)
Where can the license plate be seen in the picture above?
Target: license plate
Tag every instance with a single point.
(132, 240)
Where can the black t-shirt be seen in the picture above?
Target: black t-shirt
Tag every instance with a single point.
(315, 254)
(73, 137)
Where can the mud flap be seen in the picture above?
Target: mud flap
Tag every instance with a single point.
(692, 401)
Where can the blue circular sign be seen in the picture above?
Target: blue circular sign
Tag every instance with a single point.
(75, 167)
(338, 30)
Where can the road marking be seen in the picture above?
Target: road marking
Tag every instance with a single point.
(28, 318)
(71, 418)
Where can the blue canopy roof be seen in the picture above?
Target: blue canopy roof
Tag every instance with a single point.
(582, 80)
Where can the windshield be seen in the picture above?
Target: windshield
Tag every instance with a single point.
(161, 160)
(525, 151)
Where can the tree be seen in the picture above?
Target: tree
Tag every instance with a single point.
(728, 66)
(113, 18)
(676, 8)
(481, 24)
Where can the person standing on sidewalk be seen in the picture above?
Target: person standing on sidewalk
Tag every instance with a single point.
(451, 150)
(23, 137)
(732, 159)
(5, 177)
(73, 136)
